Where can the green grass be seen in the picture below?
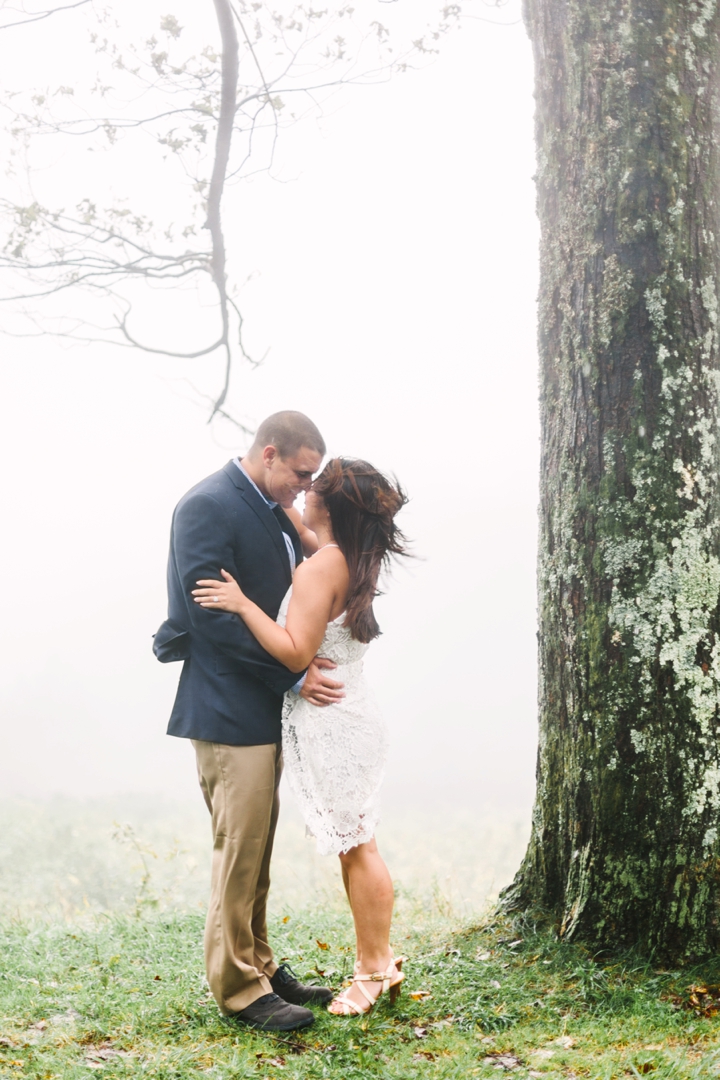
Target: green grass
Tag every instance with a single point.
(126, 997)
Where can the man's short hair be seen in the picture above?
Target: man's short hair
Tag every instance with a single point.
(288, 431)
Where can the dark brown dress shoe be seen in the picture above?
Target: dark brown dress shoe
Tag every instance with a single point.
(271, 1013)
(289, 989)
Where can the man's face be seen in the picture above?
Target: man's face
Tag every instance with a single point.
(285, 478)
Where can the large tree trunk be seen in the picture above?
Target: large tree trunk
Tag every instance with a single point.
(625, 845)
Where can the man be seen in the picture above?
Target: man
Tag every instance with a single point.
(229, 702)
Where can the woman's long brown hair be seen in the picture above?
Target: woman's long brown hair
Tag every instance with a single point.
(362, 504)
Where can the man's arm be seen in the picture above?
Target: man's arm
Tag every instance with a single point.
(202, 545)
(316, 687)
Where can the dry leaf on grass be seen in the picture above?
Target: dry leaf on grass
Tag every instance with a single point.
(503, 1061)
(702, 998)
(420, 995)
(96, 1056)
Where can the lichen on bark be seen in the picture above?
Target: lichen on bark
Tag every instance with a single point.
(624, 847)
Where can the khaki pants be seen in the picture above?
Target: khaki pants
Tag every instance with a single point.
(240, 785)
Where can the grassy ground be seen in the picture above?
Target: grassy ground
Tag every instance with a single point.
(101, 968)
(125, 996)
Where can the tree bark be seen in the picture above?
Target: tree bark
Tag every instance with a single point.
(625, 842)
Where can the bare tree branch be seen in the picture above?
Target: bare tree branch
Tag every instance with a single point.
(40, 15)
(122, 323)
(203, 113)
(228, 106)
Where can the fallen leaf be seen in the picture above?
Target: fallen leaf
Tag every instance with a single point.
(654, 1046)
(646, 1066)
(158, 978)
(323, 973)
(484, 956)
(702, 999)
(565, 1041)
(420, 995)
(513, 944)
(424, 1055)
(503, 1061)
(420, 1032)
(495, 984)
(321, 944)
(545, 1054)
(41, 1025)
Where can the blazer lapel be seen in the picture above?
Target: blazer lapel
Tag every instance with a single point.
(264, 513)
(287, 526)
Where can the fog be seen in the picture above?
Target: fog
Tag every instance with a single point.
(394, 275)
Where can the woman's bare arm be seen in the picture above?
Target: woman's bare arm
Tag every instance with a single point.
(315, 587)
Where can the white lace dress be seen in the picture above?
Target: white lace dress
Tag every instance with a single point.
(335, 755)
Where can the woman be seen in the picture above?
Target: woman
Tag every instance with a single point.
(335, 755)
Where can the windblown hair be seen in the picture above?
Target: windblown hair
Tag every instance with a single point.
(288, 432)
(362, 504)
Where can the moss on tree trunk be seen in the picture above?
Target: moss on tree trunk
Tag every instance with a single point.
(625, 845)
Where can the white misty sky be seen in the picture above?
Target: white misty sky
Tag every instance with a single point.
(394, 281)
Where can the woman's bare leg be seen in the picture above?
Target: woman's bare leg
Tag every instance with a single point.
(370, 892)
(346, 881)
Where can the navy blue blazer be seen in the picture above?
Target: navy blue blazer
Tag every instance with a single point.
(230, 689)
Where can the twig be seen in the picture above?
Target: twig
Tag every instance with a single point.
(38, 16)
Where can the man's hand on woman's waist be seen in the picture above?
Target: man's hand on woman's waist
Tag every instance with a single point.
(317, 688)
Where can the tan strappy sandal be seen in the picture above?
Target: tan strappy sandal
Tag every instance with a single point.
(389, 984)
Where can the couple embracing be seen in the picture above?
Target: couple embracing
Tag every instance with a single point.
(272, 614)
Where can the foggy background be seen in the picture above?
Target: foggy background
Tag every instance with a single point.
(394, 275)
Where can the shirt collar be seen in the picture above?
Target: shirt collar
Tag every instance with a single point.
(272, 505)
